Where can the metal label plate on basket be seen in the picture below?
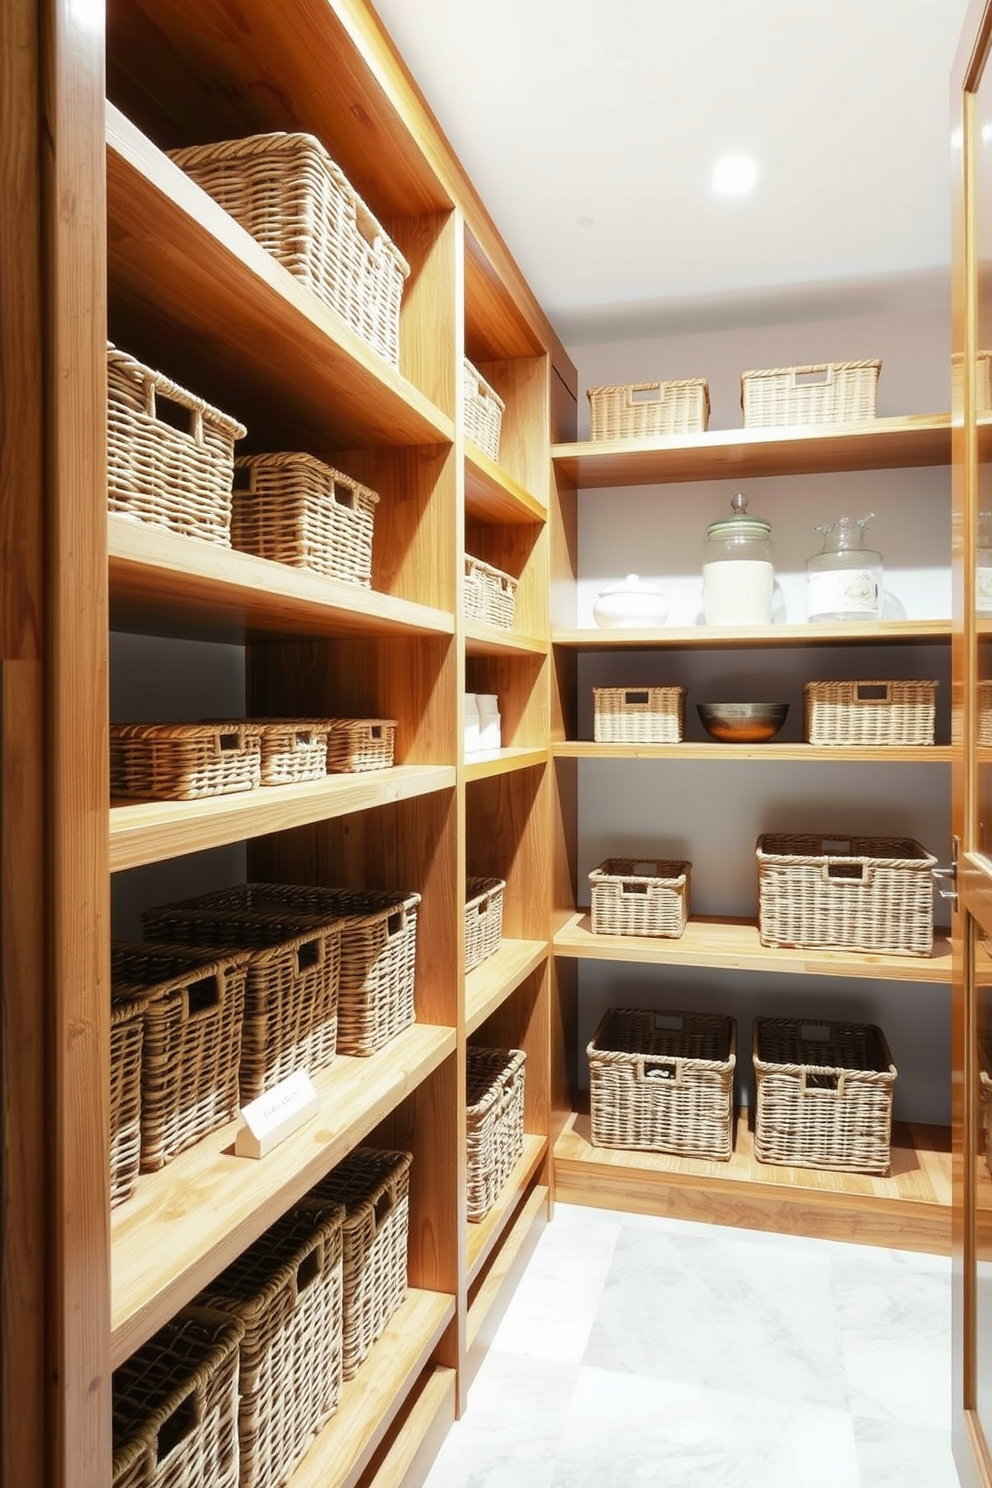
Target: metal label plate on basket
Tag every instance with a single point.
(276, 1115)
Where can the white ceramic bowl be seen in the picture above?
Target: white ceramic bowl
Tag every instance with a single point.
(630, 604)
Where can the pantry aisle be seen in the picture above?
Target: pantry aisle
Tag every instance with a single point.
(649, 1353)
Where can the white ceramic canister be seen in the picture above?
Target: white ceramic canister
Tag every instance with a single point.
(490, 725)
(472, 732)
(632, 604)
(738, 572)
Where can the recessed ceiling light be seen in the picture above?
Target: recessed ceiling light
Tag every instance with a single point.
(734, 175)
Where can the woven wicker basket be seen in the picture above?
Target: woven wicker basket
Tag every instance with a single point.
(484, 409)
(985, 713)
(824, 1095)
(821, 393)
(490, 594)
(378, 953)
(127, 1025)
(373, 1187)
(638, 715)
(288, 193)
(184, 761)
(294, 509)
(640, 896)
(483, 918)
(663, 1082)
(174, 478)
(293, 750)
(192, 1040)
(291, 987)
(286, 1292)
(355, 744)
(495, 1121)
(637, 410)
(855, 893)
(871, 713)
(175, 1406)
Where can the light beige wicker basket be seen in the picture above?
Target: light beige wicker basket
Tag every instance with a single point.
(184, 761)
(853, 893)
(484, 409)
(286, 1292)
(177, 478)
(293, 750)
(823, 1095)
(640, 896)
(483, 918)
(985, 713)
(373, 1187)
(638, 715)
(291, 987)
(175, 1406)
(637, 410)
(127, 1024)
(870, 713)
(293, 509)
(355, 744)
(490, 594)
(378, 953)
(290, 195)
(194, 1008)
(821, 393)
(663, 1082)
(495, 1122)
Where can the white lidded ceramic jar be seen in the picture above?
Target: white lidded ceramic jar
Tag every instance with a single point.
(633, 604)
(738, 572)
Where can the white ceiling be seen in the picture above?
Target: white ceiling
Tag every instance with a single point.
(614, 110)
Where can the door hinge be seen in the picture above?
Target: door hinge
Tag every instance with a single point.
(947, 878)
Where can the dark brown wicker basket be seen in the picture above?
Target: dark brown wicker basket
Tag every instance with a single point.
(127, 1025)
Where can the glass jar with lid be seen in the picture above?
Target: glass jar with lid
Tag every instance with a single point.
(844, 580)
(738, 569)
(983, 564)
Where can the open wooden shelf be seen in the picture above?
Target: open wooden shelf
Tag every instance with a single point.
(165, 584)
(894, 754)
(371, 1400)
(484, 1236)
(488, 985)
(504, 1270)
(184, 1224)
(723, 637)
(489, 640)
(183, 265)
(494, 497)
(733, 945)
(910, 1210)
(151, 831)
(724, 454)
(490, 762)
(430, 1411)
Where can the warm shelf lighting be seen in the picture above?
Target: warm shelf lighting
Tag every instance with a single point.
(734, 175)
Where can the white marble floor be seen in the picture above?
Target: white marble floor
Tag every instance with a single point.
(651, 1353)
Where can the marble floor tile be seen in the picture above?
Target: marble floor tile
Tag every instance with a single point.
(897, 1456)
(710, 1310)
(894, 1315)
(630, 1432)
(552, 1311)
(510, 1435)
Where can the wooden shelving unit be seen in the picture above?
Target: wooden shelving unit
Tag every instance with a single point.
(911, 1208)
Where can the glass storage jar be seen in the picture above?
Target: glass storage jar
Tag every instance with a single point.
(844, 580)
(738, 571)
(983, 564)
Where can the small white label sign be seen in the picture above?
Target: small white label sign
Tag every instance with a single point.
(275, 1115)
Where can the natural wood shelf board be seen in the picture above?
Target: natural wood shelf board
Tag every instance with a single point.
(370, 1401)
(932, 754)
(494, 497)
(725, 637)
(489, 640)
(178, 258)
(161, 582)
(733, 945)
(910, 1210)
(517, 1240)
(484, 1236)
(149, 832)
(722, 454)
(431, 1410)
(485, 765)
(488, 985)
(184, 1224)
